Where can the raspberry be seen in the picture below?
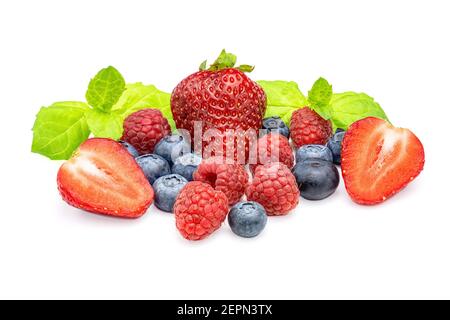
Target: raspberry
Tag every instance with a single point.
(143, 129)
(307, 127)
(199, 210)
(230, 178)
(275, 188)
(273, 147)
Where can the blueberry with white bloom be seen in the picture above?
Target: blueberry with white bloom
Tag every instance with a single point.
(247, 219)
(166, 190)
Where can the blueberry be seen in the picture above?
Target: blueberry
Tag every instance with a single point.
(247, 219)
(335, 143)
(275, 124)
(154, 166)
(172, 147)
(186, 165)
(313, 151)
(167, 189)
(339, 130)
(132, 150)
(317, 179)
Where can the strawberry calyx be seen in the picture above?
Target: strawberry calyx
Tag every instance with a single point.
(224, 61)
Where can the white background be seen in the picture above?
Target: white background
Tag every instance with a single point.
(396, 51)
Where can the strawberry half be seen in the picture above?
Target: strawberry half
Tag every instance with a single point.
(102, 177)
(379, 160)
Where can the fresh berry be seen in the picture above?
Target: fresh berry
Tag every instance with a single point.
(186, 165)
(272, 147)
(153, 166)
(307, 127)
(102, 177)
(221, 97)
(247, 219)
(274, 187)
(143, 129)
(199, 210)
(230, 178)
(275, 124)
(317, 179)
(132, 150)
(172, 147)
(379, 160)
(335, 143)
(313, 151)
(167, 189)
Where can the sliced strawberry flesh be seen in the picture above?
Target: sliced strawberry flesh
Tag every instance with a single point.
(378, 160)
(102, 177)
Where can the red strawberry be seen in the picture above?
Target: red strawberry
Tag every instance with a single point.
(378, 160)
(221, 97)
(144, 128)
(102, 177)
(307, 127)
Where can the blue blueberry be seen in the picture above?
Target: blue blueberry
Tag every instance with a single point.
(313, 151)
(154, 166)
(167, 189)
(335, 143)
(132, 150)
(172, 147)
(186, 165)
(275, 124)
(247, 219)
(317, 179)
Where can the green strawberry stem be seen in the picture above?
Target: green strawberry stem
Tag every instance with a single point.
(224, 61)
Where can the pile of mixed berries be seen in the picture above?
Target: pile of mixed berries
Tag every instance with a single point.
(296, 159)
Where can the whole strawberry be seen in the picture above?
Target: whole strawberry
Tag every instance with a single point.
(143, 129)
(308, 127)
(221, 97)
(199, 210)
(272, 147)
(230, 178)
(275, 188)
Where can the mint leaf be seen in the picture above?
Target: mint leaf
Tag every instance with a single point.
(105, 89)
(319, 98)
(105, 125)
(349, 107)
(283, 98)
(59, 129)
(138, 96)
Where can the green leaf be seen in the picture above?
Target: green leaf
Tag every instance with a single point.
(105, 125)
(225, 60)
(246, 68)
(59, 129)
(138, 96)
(203, 65)
(283, 98)
(319, 98)
(349, 107)
(105, 89)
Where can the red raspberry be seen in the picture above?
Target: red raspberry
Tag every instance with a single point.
(143, 129)
(307, 127)
(199, 210)
(275, 188)
(230, 178)
(273, 147)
